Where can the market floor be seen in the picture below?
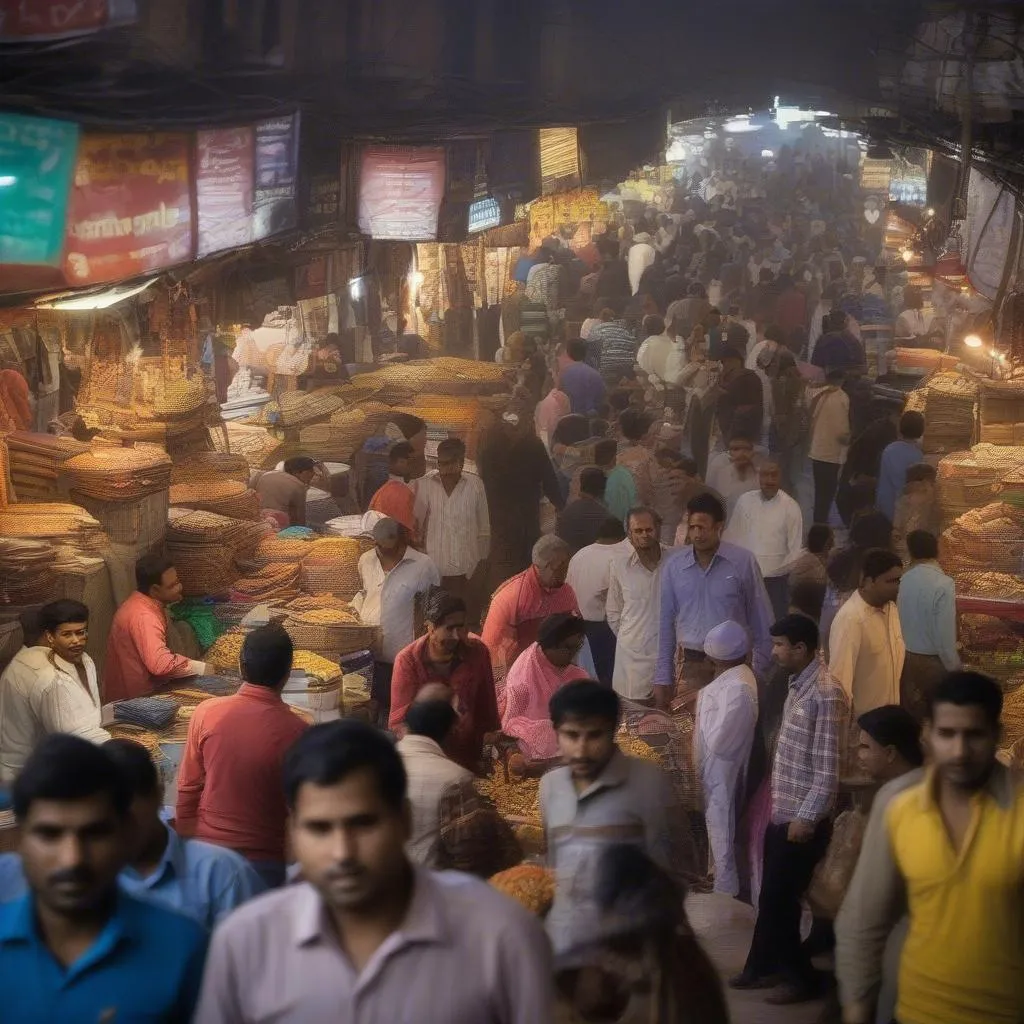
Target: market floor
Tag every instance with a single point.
(724, 926)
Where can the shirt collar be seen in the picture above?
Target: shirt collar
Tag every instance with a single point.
(804, 679)
(169, 867)
(1000, 787)
(252, 691)
(67, 668)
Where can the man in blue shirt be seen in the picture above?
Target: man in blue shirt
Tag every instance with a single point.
(75, 947)
(582, 383)
(897, 458)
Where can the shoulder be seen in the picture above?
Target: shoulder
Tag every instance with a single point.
(153, 923)
(217, 858)
(901, 800)
(271, 912)
(737, 555)
(479, 913)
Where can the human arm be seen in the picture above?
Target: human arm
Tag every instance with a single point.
(148, 633)
(736, 720)
(664, 671)
(232, 883)
(844, 649)
(191, 778)
(829, 733)
(945, 628)
(297, 506)
(615, 601)
(794, 537)
(403, 689)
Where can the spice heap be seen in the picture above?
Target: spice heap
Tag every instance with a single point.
(530, 885)
(517, 799)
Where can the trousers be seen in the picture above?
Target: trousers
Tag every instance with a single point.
(826, 481)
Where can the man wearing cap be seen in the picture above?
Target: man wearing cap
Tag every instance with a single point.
(726, 720)
(392, 575)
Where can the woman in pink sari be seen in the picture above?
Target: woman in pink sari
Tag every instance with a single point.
(539, 671)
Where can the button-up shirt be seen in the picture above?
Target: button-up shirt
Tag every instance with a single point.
(694, 600)
(145, 966)
(388, 598)
(42, 693)
(464, 954)
(588, 576)
(772, 529)
(634, 604)
(138, 658)
(927, 607)
(456, 526)
(805, 774)
(229, 782)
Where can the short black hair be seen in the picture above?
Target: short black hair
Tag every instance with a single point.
(399, 451)
(606, 451)
(299, 464)
(921, 544)
(593, 482)
(741, 438)
(968, 689)
(878, 561)
(643, 510)
(325, 755)
(634, 423)
(912, 426)
(818, 538)
(708, 505)
(557, 628)
(585, 698)
(576, 349)
(59, 613)
(31, 622)
(149, 571)
(408, 424)
(674, 454)
(893, 726)
(688, 465)
(267, 654)
(136, 765)
(452, 448)
(807, 597)
(65, 767)
(797, 629)
(835, 373)
(598, 426)
(773, 332)
(434, 719)
(653, 324)
(611, 529)
(440, 604)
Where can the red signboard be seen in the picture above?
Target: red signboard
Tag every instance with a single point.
(131, 207)
(51, 19)
(224, 188)
(400, 192)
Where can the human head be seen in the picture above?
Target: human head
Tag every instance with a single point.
(807, 597)
(156, 577)
(668, 458)
(585, 715)
(576, 350)
(912, 426)
(727, 645)
(652, 325)
(835, 375)
(890, 743)
(611, 531)
(592, 482)
(922, 473)
(71, 802)
(31, 622)
(399, 459)
(433, 719)
(388, 535)
(561, 637)
(451, 457)
(345, 787)
(302, 468)
(912, 297)
(147, 793)
(413, 428)
(794, 642)
(769, 476)
(922, 546)
(880, 577)
(445, 616)
(266, 658)
(962, 728)
(551, 561)
(606, 452)
(635, 424)
(741, 451)
(705, 522)
(820, 539)
(570, 430)
(66, 629)
(644, 526)
(732, 361)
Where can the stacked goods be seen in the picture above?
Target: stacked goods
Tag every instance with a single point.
(330, 631)
(276, 581)
(67, 525)
(530, 885)
(1002, 411)
(1013, 717)
(1011, 487)
(992, 645)
(281, 549)
(145, 738)
(321, 669)
(315, 602)
(210, 466)
(26, 571)
(230, 498)
(921, 360)
(118, 473)
(989, 538)
(296, 408)
(206, 548)
(332, 567)
(225, 651)
(36, 462)
(949, 412)
(970, 479)
(995, 586)
(339, 439)
(445, 375)
(257, 446)
(448, 417)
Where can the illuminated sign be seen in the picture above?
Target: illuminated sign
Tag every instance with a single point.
(484, 214)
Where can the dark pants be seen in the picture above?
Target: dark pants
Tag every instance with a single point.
(380, 689)
(826, 480)
(778, 594)
(788, 867)
(602, 647)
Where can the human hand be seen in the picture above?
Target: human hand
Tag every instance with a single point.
(799, 831)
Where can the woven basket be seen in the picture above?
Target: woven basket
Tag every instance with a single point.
(142, 521)
(211, 466)
(332, 640)
(225, 497)
(119, 474)
(330, 576)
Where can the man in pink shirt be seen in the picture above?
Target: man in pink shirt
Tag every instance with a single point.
(138, 658)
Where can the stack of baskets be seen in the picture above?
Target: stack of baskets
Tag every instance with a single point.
(56, 522)
(230, 498)
(206, 548)
(985, 539)
(331, 631)
(281, 549)
(968, 480)
(255, 444)
(332, 567)
(210, 466)
(337, 440)
(36, 462)
(26, 571)
(949, 412)
(276, 581)
(298, 408)
(1002, 411)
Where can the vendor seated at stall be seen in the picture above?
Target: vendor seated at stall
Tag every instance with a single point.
(138, 658)
(284, 491)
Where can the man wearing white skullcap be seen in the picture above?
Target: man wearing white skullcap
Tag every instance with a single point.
(726, 720)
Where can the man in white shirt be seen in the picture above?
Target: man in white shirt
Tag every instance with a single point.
(634, 606)
(392, 574)
(451, 510)
(769, 523)
(724, 737)
(654, 352)
(49, 686)
(641, 255)
(588, 577)
(733, 472)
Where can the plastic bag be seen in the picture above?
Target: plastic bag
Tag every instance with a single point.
(832, 876)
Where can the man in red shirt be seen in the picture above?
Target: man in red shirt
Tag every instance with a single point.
(447, 654)
(138, 658)
(396, 499)
(229, 782)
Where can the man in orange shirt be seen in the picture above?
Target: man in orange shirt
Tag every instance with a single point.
(396, 499)
(229, 782)
(138, 658)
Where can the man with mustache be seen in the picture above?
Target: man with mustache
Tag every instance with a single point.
(76, 947)
(368, 936)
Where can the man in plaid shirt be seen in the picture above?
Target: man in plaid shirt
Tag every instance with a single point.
(805, 779)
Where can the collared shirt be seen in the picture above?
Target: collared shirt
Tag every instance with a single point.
(805, 773)
(465, 954)
(772, 529)
(584, 386)
(229, 782)
(897, 458)
(145, 966)
(456, 526)
(724, 478)
(388, 598)
(634, 605)
(396, 500)
(138, 658)
(588, 577)
(42, 693)
(927, 607)
(694, 600)
(866, 653)
(542, 285)
(961, 960)
(631, 801)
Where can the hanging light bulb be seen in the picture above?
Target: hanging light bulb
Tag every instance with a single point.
(973, 341)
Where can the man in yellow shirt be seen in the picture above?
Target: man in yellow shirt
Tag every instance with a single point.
(951, 851)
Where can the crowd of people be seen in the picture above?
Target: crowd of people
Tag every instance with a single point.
(804, 636)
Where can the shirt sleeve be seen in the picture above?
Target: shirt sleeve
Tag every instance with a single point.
(615, 601)
(795, 534)
(150, 639)
(191, 779)
(549, 478)
(664, 671)
(736, 719)
(220, 996)
(403, 689)
(232, 885)
(843, 646)
(421, 511)
(945, 628)
(527, 971)
(759, 618)
(828, 734)
(59, 714)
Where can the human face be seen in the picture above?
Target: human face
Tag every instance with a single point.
(586, 745)
(306, 476)
(349, 841)
(446, 635)
(68, 641)
(563, 655)
(643, 534)
(704, 533)
(883, 589)
(963, 744)
(874, 760)
(552, 576)
(144, 824)
(770, 479)
(400, 467)
(169, 589)
(72, 850)
(741, 454)
(449, 470)
(791, 657)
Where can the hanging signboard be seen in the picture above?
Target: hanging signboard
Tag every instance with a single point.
(483, 214)
(400, 192)
(52, 19)
(224, 189)
(37, 160)
(559, 160)
(131, 207)
(277, 172)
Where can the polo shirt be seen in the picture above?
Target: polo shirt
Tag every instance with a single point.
(145, 967)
